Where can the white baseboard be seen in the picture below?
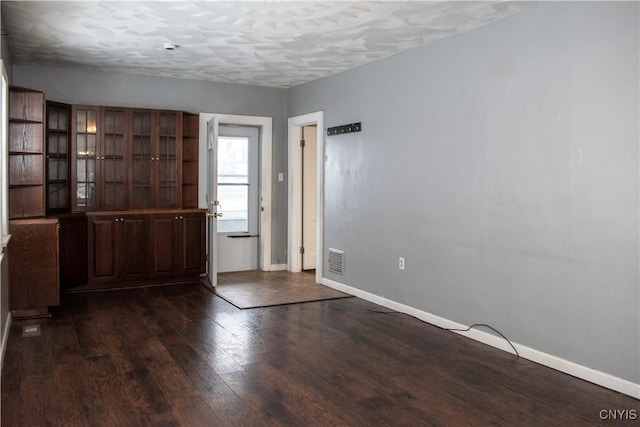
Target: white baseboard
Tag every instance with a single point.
(278, 267)
(554, 362)
(5, 337)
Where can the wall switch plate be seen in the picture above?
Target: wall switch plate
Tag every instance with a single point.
(280, 176)
(401, 263)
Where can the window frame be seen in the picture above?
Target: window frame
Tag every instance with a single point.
(245, 184)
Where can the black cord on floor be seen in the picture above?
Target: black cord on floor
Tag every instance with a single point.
(451, 329)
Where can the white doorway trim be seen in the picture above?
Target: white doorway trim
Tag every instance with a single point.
(294, 241)
(266, 136)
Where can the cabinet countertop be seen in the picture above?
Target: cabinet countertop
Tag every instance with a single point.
(145, 212)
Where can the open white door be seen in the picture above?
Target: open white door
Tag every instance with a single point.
(212, 199)
(209, 124)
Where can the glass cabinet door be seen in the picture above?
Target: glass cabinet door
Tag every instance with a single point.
(112, 159)
(168, 160)
(141, 185)
(85, 140)
(58, 137)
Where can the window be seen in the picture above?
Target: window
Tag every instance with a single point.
(233, 184)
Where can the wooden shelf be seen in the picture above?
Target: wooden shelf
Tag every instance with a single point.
(190, 156)
(26, 153)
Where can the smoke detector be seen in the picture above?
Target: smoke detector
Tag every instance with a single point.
(170, 46)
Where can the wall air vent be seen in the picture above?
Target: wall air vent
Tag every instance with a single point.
(336, 261)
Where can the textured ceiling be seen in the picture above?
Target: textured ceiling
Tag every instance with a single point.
(279, 44)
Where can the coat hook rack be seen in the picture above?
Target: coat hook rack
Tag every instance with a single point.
(338, 130)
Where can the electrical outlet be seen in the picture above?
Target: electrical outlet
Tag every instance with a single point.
(401, 263)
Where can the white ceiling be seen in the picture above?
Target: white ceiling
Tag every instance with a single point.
(272, 43)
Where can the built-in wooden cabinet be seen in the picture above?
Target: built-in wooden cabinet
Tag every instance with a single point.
(118, 247)
(26, 153)
(112, 158)
(121, 188)
(156, 153)
(169, 160)
(126, 158)
(84, 139)
(178, 241)
(33, 266)
(142, 154)
(193, 250)
(165, 238)
(132, 246)
(99, 161)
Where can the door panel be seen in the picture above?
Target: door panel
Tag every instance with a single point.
(212, 200)
(135, 247)
(113, 158)
(103, 246)
(165, 233)
(309, 173)
(84, 166)
(141, 152)
(169, 160)
(238, 193)
(193, 244)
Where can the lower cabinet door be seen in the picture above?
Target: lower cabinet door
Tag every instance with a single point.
(165, 238)
(33, 264)
(104, 245)
(135, 246)
(193, 243)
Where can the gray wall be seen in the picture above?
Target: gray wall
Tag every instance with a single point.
(5, 54)
(502, 163)
(129, 90)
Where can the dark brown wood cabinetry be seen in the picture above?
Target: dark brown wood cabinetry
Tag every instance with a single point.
(112, 158)
(165, 238)
(58, 142)
(142, 154)
(84, 159)
(178, 241)
(132, 246)
(26, 153)
(33, 266)
(117, 181)
(126, 158)
(193, 243)
(155, 149)
(169, 160)
(99, 161)
(118, 247)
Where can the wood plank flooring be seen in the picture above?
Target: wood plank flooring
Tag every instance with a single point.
(181, 356)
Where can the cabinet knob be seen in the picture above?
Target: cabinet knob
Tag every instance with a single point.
(175, 217)
(117, 220)
(181, 217)
(121, 219)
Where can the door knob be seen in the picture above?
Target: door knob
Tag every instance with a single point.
(215, 215)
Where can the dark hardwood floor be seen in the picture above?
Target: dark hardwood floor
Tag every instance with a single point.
(179, 355)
